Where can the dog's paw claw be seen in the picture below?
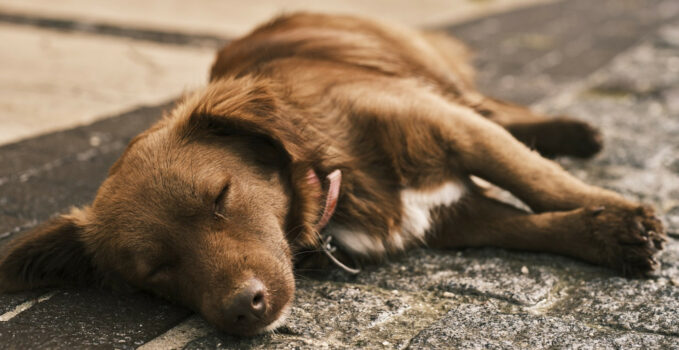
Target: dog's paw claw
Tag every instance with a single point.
(640, 228)
(659, 241)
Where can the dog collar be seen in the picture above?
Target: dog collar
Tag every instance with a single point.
(334, 184)
(334, 180)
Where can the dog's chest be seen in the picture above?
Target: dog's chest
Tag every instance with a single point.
(416, 221)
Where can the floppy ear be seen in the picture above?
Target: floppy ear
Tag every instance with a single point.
(52, 254)
(248, 107)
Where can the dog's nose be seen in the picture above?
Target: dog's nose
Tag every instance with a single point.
(248, 305)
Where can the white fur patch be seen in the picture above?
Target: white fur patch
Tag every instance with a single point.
(415, 222)
(417, 206)
(356, 241)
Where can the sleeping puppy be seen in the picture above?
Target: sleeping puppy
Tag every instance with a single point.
(346, 137)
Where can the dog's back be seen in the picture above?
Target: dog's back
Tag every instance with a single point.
(318, 42)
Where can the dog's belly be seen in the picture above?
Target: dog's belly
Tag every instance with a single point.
(416, 221)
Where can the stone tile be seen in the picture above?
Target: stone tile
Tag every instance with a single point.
(545, 48)
(216, 341)
(468, 326)
(671, 101)
(334, 315)
(237, 17)
(660, 71)
(23, 160)
(51, 81)
(523, 279)
(639, 305)
(43, 176)
(90, 318)
(669, 36)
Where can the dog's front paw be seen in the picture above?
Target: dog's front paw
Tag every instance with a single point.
(627, 238)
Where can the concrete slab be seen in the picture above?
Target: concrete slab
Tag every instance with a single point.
(559, 43)
(81, 319)
(45, 175)
(237, 17)
(469, 326)
(51, 81)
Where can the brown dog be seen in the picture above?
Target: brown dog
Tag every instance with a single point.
(211, 206)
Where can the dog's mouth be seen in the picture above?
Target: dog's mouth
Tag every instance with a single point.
(277, 322)
(283, 316)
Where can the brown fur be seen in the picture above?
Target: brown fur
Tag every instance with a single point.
(215, 193)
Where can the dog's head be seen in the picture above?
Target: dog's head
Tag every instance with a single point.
(199, 209)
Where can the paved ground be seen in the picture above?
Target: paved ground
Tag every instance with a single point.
(613, 62)
(231, 18)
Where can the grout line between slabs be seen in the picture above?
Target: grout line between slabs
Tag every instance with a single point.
(100, 28)
(178, 336)
(25, 306)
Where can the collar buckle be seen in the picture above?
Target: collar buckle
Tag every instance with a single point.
(334, 183)
(328, 248)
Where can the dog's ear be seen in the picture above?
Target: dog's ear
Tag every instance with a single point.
(268, 141)
(243, 107)
(51, 254)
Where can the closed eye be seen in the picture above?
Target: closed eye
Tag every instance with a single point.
(220, 202)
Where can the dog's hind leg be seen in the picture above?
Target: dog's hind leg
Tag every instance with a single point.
(430, 138)
(426, 133)
(483, 148)
(480, 147)
(600, 237)
(571, 217)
